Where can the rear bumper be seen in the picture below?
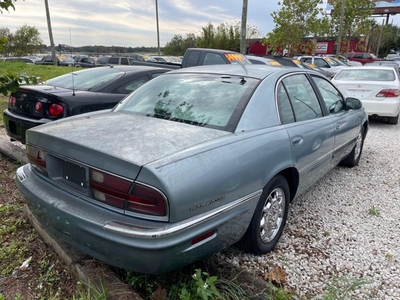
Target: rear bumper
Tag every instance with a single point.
(384, 108)
(16, 125)
(142, 246)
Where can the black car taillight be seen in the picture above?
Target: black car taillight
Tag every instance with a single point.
(12, 100)
(55, 110)
(124, 194)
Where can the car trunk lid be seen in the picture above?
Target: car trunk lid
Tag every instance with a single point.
(118, 142)
(365, 91)
(34, 101)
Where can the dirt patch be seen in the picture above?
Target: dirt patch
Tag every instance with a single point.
(43, 274)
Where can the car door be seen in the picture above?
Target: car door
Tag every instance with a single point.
(346, 122)
(311, 133)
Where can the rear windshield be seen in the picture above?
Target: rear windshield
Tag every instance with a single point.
(87, 80)
(206, 100)
(365, 75)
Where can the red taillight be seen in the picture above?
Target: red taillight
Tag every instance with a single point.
(203, 237)
(115, 191)
(55, 110)
(388, 93)
(37, 158)
(38, 106)
(146, 200)
(13, 101)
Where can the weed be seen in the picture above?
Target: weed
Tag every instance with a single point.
(389, 256)
(184, 285)
(89, 292)
(373, 211)
(342, 287)
(326, 233)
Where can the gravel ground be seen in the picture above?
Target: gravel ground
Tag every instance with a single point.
(345, 230)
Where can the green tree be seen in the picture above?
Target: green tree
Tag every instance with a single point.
(26, 40)
(294, 21)
(9, 81)
(6, 4)
(5, 37)
(355, 19)
(384, 37)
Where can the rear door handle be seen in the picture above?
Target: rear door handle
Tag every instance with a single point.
(297, 141)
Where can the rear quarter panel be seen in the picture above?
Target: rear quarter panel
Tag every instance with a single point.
(219, 173)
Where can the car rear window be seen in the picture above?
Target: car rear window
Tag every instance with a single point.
(206, 100)
(87, 80)
(370, 75)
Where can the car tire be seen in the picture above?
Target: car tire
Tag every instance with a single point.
(354, 157)
(393, 120)
(269, 218)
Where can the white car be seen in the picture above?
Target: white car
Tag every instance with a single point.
(325, 63)
(378, 88)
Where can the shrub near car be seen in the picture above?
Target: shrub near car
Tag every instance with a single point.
(72, 94)
(193, 161)
(378, 87)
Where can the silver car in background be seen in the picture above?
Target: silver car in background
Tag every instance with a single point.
(190, 163)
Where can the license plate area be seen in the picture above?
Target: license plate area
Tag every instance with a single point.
(68, 173)
(13, 127)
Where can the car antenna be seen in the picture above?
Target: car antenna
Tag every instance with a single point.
(72, 67)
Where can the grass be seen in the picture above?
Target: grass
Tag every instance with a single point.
(373, 211)
(341, 288)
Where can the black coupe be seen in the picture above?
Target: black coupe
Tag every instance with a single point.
(72, 94)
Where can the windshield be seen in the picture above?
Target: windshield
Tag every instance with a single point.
(87, 80)
(206, 100)
(332, 62)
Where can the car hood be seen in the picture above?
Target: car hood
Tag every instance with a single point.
(119, 142)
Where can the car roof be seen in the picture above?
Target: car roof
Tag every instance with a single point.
(368, 67)
(214, 50)
(253, 70)
(126, 68)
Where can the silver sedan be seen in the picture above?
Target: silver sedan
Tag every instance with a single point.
(190, 163)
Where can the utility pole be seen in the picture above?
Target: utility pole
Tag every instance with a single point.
(340, 29)
(53, 51)
(158, 30)
(243, 44)
(380, 37)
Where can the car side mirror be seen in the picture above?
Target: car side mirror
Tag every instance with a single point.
(353, 103)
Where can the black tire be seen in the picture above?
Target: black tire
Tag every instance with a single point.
(393, 120)
(273, 206)
(354, 157)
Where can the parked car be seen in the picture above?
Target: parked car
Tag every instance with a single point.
(114, 60)
(362, 57)
(19, 59)
(343, 59)
(388, 63)
(392, 55)
(397, 60)
(326, 73)
(71, 94)
(325, 63)
(195, 160)
(85, 62)
(61, 60)
(261, 60)
(378, 88)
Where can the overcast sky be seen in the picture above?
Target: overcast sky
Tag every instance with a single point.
(132, 23)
